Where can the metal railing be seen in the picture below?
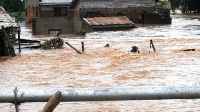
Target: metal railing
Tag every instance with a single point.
(18, 96)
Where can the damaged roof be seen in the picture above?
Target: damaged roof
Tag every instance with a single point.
(109, 22)
(116, 3)
(53, 2)
(6, 20)
(2, 10)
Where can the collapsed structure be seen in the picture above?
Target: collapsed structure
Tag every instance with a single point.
(69, 16)
(8, 29)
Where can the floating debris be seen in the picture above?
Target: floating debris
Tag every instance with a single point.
(55, 43)
(27, 41)
(73, 48)
(188, 50)
(107, 45)
(135, 49)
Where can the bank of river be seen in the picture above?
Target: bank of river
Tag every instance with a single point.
(115, 66)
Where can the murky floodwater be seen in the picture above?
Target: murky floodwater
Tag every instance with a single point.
(115, 66)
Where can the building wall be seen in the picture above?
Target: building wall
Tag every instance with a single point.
(31, 7)
(72, 20)
(116, 3)
(77, 20)
(131, 12)
(43, 25)
(48, 11)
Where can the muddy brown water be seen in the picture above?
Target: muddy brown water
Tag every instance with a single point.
(115, 66)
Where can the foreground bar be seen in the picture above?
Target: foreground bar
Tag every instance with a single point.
(101, 94)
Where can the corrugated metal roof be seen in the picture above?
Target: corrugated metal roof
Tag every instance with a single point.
(56, 1)
(6, 20)
(106, 21)
(116, 3)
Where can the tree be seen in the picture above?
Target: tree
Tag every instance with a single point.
(194, 5)
(186, 5)
(12, 5)
(175, 4)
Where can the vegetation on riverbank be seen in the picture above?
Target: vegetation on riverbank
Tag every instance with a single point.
(186, 6)
(19, 16)
(13, 5)
(15, 8)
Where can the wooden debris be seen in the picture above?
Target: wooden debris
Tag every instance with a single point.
(189, 50)
(107, 45)
(53, 102)
(152, 46)
(73, 48)
(135, 49)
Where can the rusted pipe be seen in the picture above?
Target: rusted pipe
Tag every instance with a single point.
(102, 94)
(53, 102)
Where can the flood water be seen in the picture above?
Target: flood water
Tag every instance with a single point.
(115, 66)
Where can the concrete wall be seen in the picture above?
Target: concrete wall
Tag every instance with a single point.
(42, 25)
(77, 21)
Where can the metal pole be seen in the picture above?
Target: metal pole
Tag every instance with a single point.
(102, 94)
(73, 48)
(16, 103)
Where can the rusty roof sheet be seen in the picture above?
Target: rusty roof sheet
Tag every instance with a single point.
(116, 3)
(6, 20)
(104, 21)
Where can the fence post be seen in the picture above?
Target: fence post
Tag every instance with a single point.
(152, 45)
(83, 48)
(19, 40)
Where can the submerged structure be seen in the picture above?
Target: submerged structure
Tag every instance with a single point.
(69, 16)
(8, 29)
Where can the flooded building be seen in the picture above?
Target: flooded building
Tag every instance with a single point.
(49, 16)
(67, 16)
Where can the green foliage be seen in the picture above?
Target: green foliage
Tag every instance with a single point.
(19, 16)
(12, 5)
(175, 4)
(194, 5)
(55, 43)
(187, 5)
